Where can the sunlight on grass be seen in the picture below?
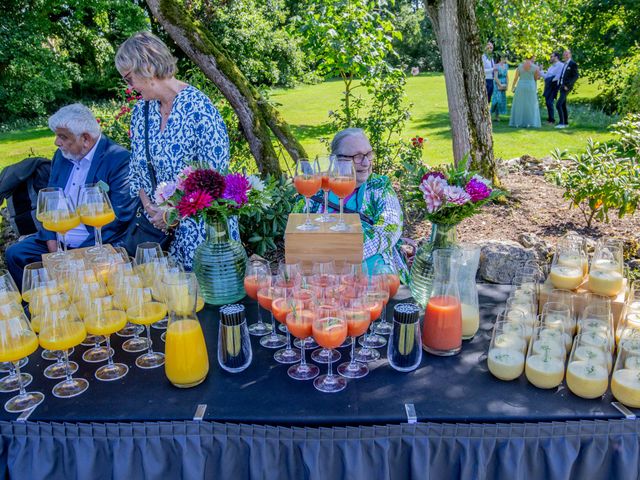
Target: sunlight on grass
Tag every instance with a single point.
(307, 107)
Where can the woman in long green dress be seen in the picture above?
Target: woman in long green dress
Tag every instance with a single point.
(500, 85)
(525, 111)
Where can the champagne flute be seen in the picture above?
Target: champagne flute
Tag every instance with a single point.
(307, 180)
(60, 330)
(324, 162)
(104, 320)
(94, 207)
(329, 329)
(57, 214)
(143, 310)
(342, 182)
(18, 341)
(257, 275)
(358, 317)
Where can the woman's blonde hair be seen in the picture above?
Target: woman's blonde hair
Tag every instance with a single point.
(145, 55)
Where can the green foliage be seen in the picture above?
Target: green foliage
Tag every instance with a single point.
(53, 50)
(263, 230)
(418, 46)
(605, 177)
(255, 34)
(115, 117)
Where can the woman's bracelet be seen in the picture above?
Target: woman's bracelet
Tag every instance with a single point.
(164, 219)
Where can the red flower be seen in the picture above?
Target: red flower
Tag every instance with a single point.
(98, 120)
(129, 133)
(129, 91)
(205, 180)
(192, 203)
(417, 142)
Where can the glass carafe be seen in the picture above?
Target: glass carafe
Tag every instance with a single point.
(469, 260)
(442, 331)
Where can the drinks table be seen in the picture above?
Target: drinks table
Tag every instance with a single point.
(469, 424)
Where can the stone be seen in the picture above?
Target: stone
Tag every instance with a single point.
(499, 260)
(543, 249)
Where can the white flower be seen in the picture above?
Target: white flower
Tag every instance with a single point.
(256, 183)
(415, 71)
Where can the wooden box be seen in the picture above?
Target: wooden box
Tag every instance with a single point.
(617, 302)
(75, 253)
(323, 245)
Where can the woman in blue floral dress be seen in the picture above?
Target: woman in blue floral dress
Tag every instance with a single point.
(500, 85)
(184, 127)
(374, 198)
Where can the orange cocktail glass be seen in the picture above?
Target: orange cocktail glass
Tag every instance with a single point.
(330, 330)
(342, 182)
(358, 317)
(443, 325)
(257, 275)
(307, 181)
(300, 325)
(266, 295)
(324, 163)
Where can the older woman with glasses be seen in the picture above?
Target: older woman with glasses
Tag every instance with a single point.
(373, 199)
(174, 125)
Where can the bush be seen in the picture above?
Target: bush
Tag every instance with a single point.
(262, 231)
(605, 177)
(621, 90)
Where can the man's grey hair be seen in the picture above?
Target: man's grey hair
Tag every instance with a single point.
(341, 136)
(76, 118)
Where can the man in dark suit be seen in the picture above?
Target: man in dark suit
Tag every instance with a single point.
(568, 78)
(84, 156)
(551, 79)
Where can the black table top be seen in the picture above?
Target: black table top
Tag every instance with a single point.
(442, 389)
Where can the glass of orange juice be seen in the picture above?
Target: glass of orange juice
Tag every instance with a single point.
(324, 162)
(257, 275)
(60, 330)
(283, 304)
(342, 182)
(95, 210)
(143, 310)
(18, 341)
(307, 180)
(300, 324)
(266, 295)
(8, 289)
(358, 317)
(329, 329)
(57, 214)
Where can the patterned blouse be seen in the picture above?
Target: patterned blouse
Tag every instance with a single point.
(376, 199)
(194, 131)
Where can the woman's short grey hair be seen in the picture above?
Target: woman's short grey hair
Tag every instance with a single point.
(145, 55)
(77, 118)
(341, 136)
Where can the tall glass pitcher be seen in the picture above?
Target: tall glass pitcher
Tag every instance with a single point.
(468, 290)
(442, 332)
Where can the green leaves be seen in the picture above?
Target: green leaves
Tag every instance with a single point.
(605, 177)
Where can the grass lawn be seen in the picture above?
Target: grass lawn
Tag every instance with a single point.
(306, 109)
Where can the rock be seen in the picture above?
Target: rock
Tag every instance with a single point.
(634, 265)
(543, 249)
(499, 260)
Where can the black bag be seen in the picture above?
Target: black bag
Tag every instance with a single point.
(140, 229)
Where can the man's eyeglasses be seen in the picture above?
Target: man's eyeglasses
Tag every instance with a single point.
(358, 157)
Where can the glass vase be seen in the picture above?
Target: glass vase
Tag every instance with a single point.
(442, 236)
(219, 263)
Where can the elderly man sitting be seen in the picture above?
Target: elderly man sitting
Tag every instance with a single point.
(84, 156)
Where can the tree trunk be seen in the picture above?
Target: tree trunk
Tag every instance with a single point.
(454, 24)
(258, 119)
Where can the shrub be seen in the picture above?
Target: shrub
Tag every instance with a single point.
(263, 230)
(605, 177)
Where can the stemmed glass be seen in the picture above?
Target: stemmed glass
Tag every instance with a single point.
(94, 207)
(324, 354)
(342, 181)
(60, 330)
(36, 278)
(307, 181)
(378, 296)
(356, 313)
(10, 383)
(300, 324)
(18, 341)
(324, 162)
(381, 279)
(283, 304)
(146, 254)
(368, 352)
(329, 329)
(257, 275)
(143, 310)
(122, 286)
(57, 214)
(105, 319)
(8, 289)
(266, 294)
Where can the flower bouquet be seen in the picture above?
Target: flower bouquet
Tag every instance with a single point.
(453, 194)
(200, 192)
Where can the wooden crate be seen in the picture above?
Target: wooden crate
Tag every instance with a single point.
(617, 302)
(323, 245)
(75, 253)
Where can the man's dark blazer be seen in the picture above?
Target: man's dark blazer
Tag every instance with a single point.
(570, 75)
(110, 164)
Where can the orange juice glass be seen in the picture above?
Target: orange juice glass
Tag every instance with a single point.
(330, 331)
(342, 182)
(307, 180)
(300, 325)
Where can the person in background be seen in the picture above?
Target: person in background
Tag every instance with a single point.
(488, 64)
(184, 128)
(568, 78)
(525, 111)
(373, 198)
(84, 156)
(551, 85)
(501, 83)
